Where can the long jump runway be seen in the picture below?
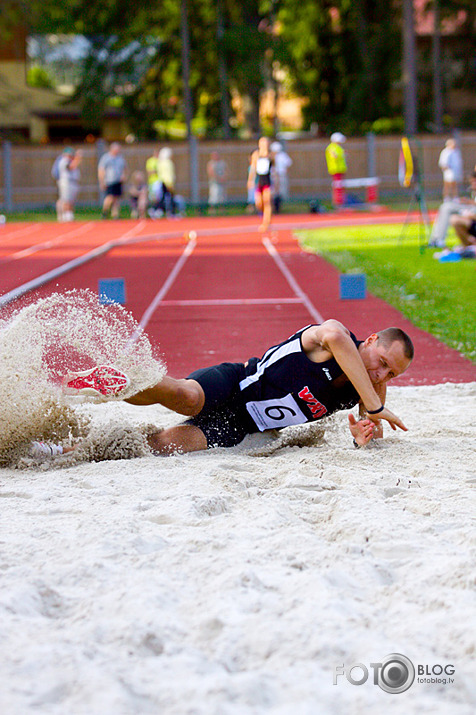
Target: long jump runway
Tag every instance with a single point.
(223, 293)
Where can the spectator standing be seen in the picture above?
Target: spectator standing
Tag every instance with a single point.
(250, 188)
(151, 169)
(282, 162)
(337, 167)
(138, 195)
(216, 172)
(451, 164)
(68, 183)
(166, 177)
(112, 173)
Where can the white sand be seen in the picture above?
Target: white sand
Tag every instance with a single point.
(225, 583)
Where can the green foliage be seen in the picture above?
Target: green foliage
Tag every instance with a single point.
(384, 125)
(39, 77)
(437, 297)
(345, 56)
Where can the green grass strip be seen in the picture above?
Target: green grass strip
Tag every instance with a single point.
(437, 297)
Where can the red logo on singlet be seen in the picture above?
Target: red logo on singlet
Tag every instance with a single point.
(316, 407)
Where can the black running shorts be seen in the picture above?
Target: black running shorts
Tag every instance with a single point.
(223, 420)
(114, 189)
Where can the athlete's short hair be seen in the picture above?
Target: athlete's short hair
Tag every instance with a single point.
(389, 335)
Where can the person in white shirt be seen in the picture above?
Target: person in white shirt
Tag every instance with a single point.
(68, 183)
(282, 162)
(451, 164)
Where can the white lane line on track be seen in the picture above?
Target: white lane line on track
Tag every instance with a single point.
(11, 235)
(65, 267)
(296, 288)
(78, 231)
(188, 250)
(232, 301)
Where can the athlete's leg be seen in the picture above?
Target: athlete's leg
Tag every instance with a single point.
(183, 396)
(461, 225)
(115, 207)
(259, 201)
(107, 203)
(182, 438)
(266, 208)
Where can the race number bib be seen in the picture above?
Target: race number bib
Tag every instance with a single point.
(274, 414)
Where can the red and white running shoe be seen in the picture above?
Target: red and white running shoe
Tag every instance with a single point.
(103, 380)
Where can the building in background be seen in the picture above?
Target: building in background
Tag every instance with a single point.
(42, 113)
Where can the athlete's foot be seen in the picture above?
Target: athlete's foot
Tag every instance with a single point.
(44, 450)
(101, 381)
(48, 450)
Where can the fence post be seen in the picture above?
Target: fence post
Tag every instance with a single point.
(193, 153)
(7, 176)
(371, 160)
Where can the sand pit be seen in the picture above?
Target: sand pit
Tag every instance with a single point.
(228, 583)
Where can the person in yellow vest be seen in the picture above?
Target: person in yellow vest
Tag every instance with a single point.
(151, 169)
(166, 175)
(337, 167)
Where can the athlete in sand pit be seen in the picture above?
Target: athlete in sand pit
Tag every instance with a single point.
(317, 371)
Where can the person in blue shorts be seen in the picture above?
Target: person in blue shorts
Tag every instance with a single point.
(317, 371)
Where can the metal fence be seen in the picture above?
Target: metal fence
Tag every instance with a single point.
(26, 181)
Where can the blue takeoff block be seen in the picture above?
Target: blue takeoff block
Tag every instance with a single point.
(112, 290)
(352, 286)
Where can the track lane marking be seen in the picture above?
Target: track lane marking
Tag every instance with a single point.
(232, 301)
(25, 230)
(65, 267)
(150, 310)
(296, 288)
(37, 247)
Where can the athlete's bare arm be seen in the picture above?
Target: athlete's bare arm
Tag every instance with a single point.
(252, 174)
(332, 339)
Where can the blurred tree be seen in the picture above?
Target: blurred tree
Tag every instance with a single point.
(345, 58)
(39, 77)
(453, 63)
(135, 56)
(251, 43)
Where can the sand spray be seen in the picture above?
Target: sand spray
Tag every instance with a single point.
(41, 342)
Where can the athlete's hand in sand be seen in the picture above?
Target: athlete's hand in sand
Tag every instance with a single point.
(392, 419)
(362, 431)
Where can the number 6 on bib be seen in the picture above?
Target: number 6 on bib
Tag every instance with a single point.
(277, 413)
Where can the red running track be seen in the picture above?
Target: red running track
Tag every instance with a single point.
(226, 296)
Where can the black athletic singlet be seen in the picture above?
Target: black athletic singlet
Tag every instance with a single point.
(285, 387)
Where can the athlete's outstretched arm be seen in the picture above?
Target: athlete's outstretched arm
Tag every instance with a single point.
(334, 338)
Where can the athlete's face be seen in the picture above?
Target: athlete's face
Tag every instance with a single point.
(263, 145)
(383, 362)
